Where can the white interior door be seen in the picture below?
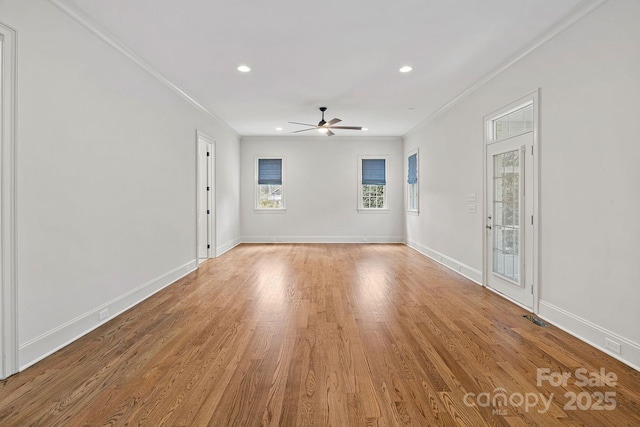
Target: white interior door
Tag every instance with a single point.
(509, 226)
(205, 199)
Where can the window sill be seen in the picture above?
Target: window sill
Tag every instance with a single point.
(270, 210)
(373, 211)
(412, 212)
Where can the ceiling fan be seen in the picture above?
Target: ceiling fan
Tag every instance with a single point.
(324, 126)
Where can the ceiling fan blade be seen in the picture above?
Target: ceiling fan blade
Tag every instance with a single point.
(304, 124)
(347, 127)
(333, 122)
(329, 133)
(303, 130)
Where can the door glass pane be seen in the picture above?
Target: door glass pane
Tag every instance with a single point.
(506, 215)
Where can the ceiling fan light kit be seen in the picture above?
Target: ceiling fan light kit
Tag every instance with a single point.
(325, 127)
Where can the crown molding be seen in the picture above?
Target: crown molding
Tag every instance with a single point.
(575, 15)
(89, 23)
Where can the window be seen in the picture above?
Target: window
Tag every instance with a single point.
(513, 123)
(270, 188)
(373, 184)
(412, 182)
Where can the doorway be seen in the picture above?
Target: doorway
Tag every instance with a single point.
(205, 200)
(510, 241)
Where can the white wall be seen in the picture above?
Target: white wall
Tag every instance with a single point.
(589, 201)
(450, 167)
(105, 179)
(321, 203)
(227, 191)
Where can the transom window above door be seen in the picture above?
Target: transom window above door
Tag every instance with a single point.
(513, 123)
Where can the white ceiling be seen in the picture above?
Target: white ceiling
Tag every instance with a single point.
(344, 55)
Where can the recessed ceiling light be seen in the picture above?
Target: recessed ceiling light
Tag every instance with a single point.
(244, 69)
(406, 69)
(365, 128)
(278, 128)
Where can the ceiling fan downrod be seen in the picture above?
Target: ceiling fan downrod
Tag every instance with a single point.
(322, 122)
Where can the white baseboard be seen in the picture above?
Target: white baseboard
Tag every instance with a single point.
(453, 264)
(48, 343)
(225, 247)
(591, 333)
(321, 239)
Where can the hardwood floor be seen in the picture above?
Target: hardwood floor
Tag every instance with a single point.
(340, 335)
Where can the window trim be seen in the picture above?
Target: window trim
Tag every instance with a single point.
(256, 186)
(415, 211)
(359, 206)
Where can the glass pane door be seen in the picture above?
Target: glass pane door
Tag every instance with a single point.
(506, 215)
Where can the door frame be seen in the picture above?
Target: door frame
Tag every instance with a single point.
(9, 343)
(532, 97)
(201, 137)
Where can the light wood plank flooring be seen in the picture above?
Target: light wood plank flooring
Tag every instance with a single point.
(323, 335)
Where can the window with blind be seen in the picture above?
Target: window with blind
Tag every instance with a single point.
(269, 180)
(373, 183)
(412, 182)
